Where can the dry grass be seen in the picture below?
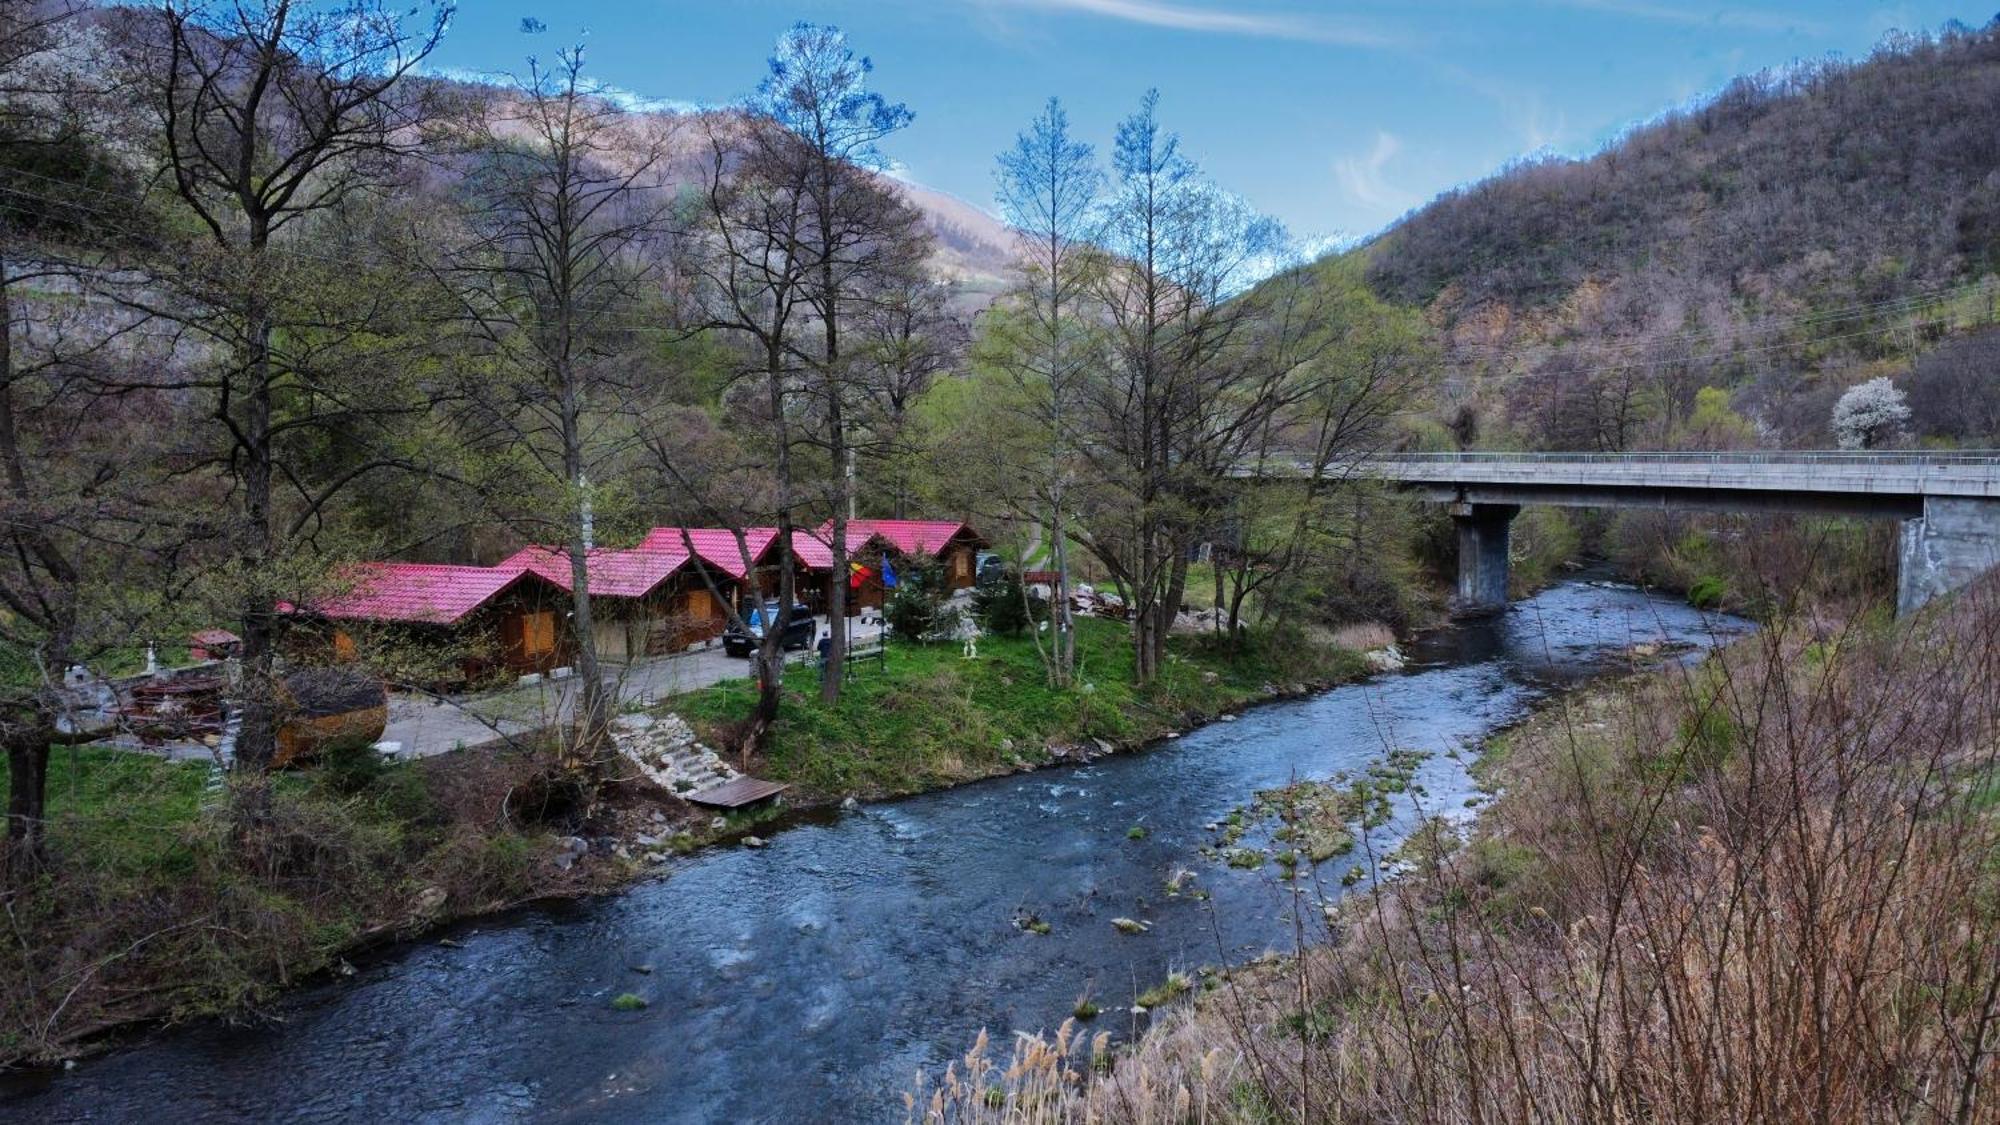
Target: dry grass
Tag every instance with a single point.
(1761, 889)
(1363, 637)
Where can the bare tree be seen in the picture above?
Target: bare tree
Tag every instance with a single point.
(268, 113)
(855, 229)
(1171, 418)
(567, 210)
(70, 515)
(749, 283)
(1049, 186)
(909, 338)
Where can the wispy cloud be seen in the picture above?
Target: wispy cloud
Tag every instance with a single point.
(1365, 179)
(1747, 19)
(1218, 20)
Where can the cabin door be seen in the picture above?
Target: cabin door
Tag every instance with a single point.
(538, 638)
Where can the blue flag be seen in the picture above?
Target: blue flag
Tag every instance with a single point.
(888, 574)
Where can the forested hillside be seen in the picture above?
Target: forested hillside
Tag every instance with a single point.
(1802, 231)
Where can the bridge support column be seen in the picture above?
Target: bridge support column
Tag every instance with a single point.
(1952, 543)
(1482, 557)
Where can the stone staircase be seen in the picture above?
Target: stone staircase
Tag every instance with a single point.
(665, 749)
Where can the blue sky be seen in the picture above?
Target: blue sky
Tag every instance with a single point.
(1335, 117)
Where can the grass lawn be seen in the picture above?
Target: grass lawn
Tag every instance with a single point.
(120, 811)
(931, 717)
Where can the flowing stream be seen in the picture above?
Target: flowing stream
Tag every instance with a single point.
(812, 979)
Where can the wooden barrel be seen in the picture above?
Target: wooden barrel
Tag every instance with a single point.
(324, 708)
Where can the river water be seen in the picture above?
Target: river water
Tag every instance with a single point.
(810, 980)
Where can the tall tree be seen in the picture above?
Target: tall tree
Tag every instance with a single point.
(268, 114)
(71, 517)
(1049, 188)
(1175, 410)
(749, 280)
(568, 210)
(855, 229)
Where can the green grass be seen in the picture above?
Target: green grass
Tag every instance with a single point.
(929, 717)
(116, 810)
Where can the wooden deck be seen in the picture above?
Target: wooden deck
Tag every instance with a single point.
(736, 794)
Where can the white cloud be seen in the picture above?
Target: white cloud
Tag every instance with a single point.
(1365, 178)
(1748, 19)
(1213, 20)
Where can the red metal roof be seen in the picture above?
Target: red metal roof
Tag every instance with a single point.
(715, 545)
(425, 593)
(814, 549)
(912, 537)
(613, 574)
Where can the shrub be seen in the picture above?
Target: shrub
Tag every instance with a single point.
(1004, 607)
(1707, 592)
(919, 610)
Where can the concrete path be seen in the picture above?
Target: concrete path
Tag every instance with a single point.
(421, 726)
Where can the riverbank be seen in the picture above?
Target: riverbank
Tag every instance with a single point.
(149, 913)
(927, 717)
(1755, 888)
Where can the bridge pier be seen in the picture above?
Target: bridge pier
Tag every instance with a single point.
(1482, 557)
(1955, 541)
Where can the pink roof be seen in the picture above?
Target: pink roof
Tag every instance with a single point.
(613, 574)
(715, 545)
(912, 537)
(420, 592)
(814, 549)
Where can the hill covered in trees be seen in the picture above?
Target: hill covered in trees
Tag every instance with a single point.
(1802, 231)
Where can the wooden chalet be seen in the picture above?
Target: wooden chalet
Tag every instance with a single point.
(954, 545)
(647, 601)
(481, 620)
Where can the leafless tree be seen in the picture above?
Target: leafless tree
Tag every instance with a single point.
(855, 230)
(569, 211)
(1171, 418)
(265, 115)
(1049, 187)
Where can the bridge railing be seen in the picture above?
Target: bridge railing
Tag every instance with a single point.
(1767, 457)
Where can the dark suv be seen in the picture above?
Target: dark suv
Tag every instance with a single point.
(800, 631)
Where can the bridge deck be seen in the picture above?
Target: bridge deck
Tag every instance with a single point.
(1884, 484)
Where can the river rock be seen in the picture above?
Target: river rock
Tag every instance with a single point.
(1104, 747)
(428, 902)
(573, 849)
(850, 803)
(753, 841)
(1388, 658)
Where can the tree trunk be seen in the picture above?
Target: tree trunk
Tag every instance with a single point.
(27, 788)
(257, 735)
(1060, 613)
(836, 599)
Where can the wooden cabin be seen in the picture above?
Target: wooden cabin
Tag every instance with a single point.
(450, 624)
(645, 602)
(954, 545)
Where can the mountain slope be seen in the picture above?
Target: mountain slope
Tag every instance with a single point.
(1779, 241)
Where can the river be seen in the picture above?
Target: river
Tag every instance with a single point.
(812, 979)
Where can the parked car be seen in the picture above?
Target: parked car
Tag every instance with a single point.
(990, 567)
(799, 631)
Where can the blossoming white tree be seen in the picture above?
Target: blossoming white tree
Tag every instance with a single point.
(1870, 415)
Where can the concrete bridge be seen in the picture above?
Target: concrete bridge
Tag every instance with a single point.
(1948, 503)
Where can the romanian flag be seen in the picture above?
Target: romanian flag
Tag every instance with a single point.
(857, 574)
